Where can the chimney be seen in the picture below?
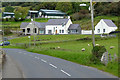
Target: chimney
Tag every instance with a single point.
(68, 17)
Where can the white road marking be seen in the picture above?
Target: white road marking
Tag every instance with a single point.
(43, 61)
(53, 65)
(65, 72)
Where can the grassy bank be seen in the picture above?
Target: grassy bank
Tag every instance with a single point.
(71, 50)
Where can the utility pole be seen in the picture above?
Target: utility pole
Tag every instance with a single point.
(92, 20)
(3, 35)
(34, 30)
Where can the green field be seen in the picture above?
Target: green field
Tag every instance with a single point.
(70, 50)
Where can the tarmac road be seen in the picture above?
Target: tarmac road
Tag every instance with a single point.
(23, 64)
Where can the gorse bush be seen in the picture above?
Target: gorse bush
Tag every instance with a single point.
(97, 52)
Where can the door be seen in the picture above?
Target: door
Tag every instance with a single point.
(56, 31)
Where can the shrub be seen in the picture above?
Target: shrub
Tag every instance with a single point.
(97, 53)
(7, 31)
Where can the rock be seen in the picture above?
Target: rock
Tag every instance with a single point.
(97, 44)
(104, 58)
(111, 47)
(83, 49)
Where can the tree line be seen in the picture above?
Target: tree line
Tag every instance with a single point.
(71, 8)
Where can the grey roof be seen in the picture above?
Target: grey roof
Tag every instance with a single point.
(38, 24)
(8, 13)
(23, 24)
(57, 21)
(109, 23)
(74, 26)
(46, 10)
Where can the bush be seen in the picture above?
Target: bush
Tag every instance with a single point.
(7, 31)
(97, 53)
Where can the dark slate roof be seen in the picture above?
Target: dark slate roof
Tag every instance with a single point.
(57, 21)
(74, 26)
(23, 24)
(38, 24)
(109, 23)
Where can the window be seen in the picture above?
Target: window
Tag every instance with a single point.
(49, 31)
(98, 30)
(74, 31)
(103, 30)
(62, 31)
(41, 31)
(28, 30)
(23, 30)
(34, 30)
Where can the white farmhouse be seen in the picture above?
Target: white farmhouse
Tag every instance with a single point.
(53, 26)
(58, 26)
(105, 26)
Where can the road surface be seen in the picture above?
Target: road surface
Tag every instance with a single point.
(23, 64)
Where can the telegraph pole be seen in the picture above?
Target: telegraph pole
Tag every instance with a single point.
(34, 31)
(92, 20)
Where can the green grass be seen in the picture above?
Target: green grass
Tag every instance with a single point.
(47, 38)
(71, 50)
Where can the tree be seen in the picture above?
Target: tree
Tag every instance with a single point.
(64, 6)
(20, 13)
(9, 9)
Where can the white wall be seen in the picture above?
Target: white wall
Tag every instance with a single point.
(86, 31)
(102, 25)
(31, 26)
(58, 28)
(54, 28)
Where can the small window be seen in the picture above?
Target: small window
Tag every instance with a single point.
(35, 30)
(103, 30)
(28, 30)
(62, 31)
(49, 31)
(23, 30)
(98, 30)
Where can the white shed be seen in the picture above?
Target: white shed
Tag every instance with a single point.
(105, 26)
